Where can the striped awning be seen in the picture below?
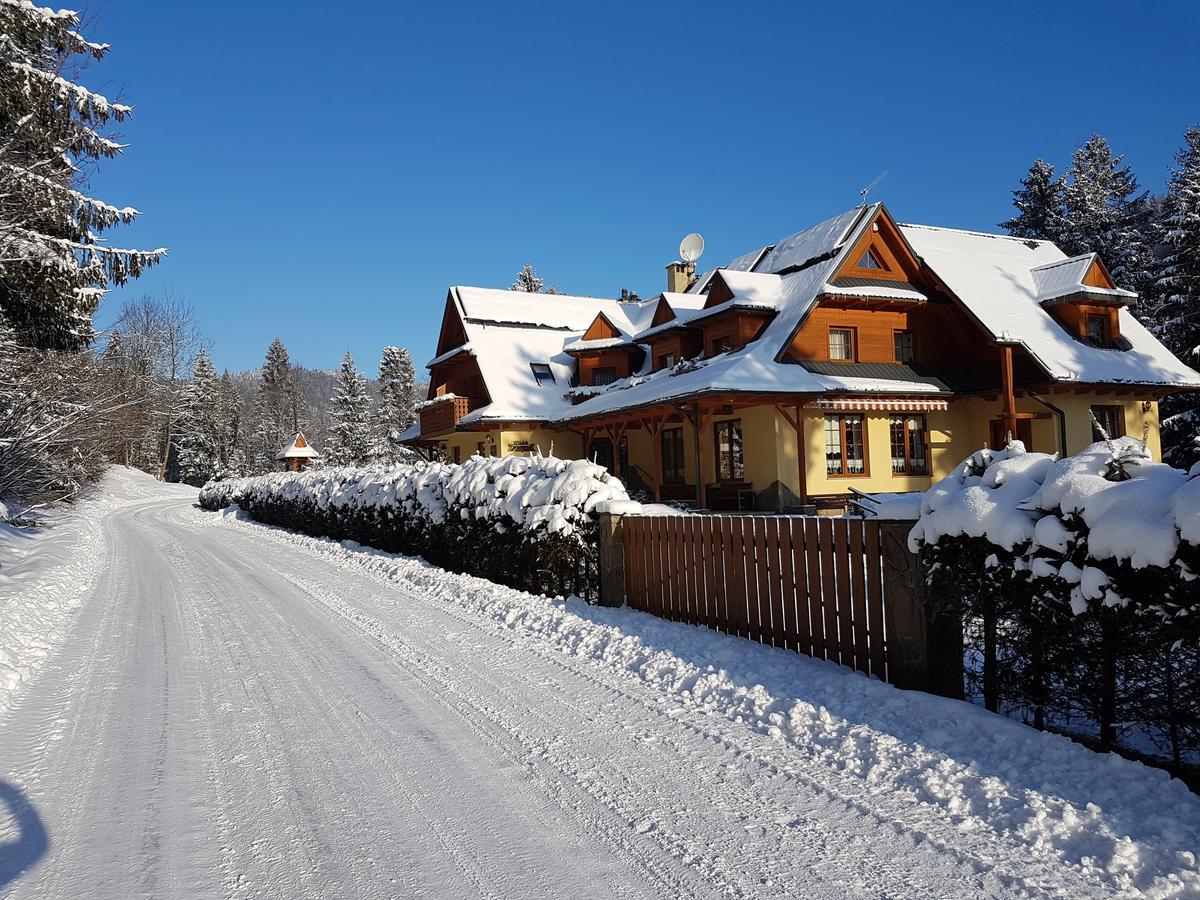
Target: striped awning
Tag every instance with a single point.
(882, 404)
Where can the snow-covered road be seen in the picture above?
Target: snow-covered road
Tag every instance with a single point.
(240, 712)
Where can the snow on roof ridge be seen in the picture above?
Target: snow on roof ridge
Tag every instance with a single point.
(1063, 262)
(988, 234)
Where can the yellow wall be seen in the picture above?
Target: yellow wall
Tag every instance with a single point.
(770, 443)
(563, 444)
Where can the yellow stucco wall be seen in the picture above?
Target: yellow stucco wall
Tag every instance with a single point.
(563, 444)
(770, 442)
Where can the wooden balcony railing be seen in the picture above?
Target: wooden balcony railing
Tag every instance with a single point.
(441, 417)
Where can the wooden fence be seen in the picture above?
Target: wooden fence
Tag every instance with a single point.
(811, 584)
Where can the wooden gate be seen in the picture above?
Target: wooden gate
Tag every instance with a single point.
(807, 583)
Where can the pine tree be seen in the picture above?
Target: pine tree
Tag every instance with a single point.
(349, 441)
(229, 411)
(531, 282)
(1096, 201)
(54, 264)
(1039, 203)
(1176, 318)
(278, 408)
(397, 405)
(201, 445)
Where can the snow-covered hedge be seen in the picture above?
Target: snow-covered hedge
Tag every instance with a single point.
(528, 522)
(1079, 583)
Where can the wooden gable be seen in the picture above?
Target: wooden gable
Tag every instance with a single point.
(601, 329)
(663, 313)
(881, 254)
(300, 442)
(1097, 276)
(452, 334)
(718, 291)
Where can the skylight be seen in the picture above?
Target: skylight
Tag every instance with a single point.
(542, 373)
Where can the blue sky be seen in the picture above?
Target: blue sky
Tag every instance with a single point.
(322, 172)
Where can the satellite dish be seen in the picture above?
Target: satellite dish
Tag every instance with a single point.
(691, 247)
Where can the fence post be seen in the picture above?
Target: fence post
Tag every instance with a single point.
(612, 561)
(925, 651)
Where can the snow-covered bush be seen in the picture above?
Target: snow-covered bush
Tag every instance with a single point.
(529, 522)
(1078, 581)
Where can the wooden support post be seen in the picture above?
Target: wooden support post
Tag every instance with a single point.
(703, 415)
(655, 428)
(1010, 397)
(924, 651)
(612, 561)
(797, 424)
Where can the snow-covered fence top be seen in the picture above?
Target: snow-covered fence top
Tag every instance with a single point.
(1085, 519)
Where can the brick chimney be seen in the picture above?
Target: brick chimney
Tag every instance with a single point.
(679, 276)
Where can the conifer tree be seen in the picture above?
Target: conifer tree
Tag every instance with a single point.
(1176, 317)
(529, 281)
(1096, 201)
(1039, 202)
(278, 409)
(397, 405)
(54, 264)
(229, 412)
(349, 442)
(201, 444)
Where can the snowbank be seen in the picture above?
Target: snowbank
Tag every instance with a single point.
(945, 767)
(46, 572)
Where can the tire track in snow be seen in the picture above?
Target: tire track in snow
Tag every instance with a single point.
(772, 816)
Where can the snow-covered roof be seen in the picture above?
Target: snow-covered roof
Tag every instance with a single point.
(799, 248)
(298, 448)
(997, 278)
(993, 276)
(755, 368)
(1058, 280)
(899, 291)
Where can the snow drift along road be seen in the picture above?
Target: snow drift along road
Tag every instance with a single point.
(239, 711)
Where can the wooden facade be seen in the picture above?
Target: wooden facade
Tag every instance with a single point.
(883, 307)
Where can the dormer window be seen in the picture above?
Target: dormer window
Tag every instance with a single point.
(542, 373)
(603, 375)
(1097, 330)
(869, 261)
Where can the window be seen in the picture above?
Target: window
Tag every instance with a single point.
(731, 460)
(722, 345)
(665, 361)
(841, 344)
(542, 373)
(457, 454)
(1097, 330)
(844, 448)
(672, 456)
(604, 375)
(910, 453)
(1108, 423)
(902, 342)
(869, 261)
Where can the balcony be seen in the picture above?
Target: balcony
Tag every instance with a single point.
(441, 414)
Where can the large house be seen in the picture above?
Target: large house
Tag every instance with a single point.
(858, 354)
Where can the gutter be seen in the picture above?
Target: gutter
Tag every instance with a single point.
(1058, 414)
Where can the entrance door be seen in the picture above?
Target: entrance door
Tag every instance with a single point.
(601, 452)
(1024, 433)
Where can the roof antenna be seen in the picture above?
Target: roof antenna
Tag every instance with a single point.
(878, 178)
